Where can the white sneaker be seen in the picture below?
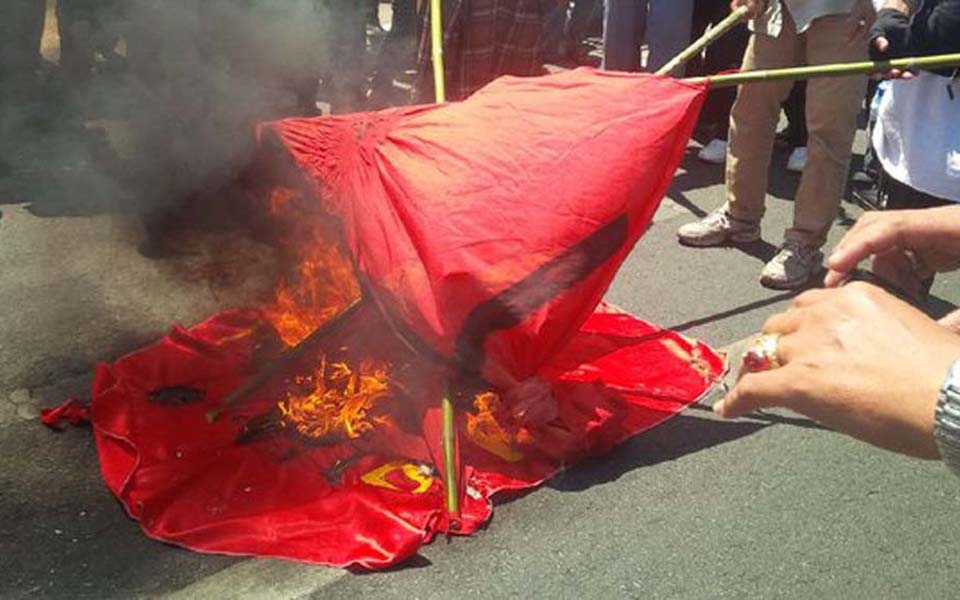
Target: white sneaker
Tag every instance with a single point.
(797, 160)
(715, 152)
(718, 228)
(792, 267)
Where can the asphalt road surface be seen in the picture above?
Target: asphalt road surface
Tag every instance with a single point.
(768, 506)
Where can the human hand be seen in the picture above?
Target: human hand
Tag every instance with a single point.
(755, 7)
(859, 361)
(951, 321)
(907, 245)
(890, 23)
(881, 45)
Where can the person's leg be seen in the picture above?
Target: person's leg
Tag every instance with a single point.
(396, 52)
(753, 122)
(623, 29)
(832, 108)
(75, 19)
(725, 54)
(668, 31)
(21, 28)
(579, 23)
(795, 108)
(347, 47)
(554, 23)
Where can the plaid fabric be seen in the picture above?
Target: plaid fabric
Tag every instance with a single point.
(482, 40)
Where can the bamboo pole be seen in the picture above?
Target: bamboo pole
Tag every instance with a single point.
(449, 433)
(450, 476)
(436, 51)
(705, 40)
(834, 70)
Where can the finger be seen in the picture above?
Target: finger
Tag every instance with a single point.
(874, 237)
(882, 44)
(834, 278)
(765, 389)
(783, 323)
(951, 321)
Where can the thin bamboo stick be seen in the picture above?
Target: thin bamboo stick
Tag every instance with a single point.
(705, 40)
(436, 50)
(449, 433)
(451, 482)
(834, 70)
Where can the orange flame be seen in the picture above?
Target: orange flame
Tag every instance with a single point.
(485, 431)
(340, 401)
(323, 284)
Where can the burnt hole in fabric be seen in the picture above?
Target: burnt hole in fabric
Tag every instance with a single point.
(178, 395)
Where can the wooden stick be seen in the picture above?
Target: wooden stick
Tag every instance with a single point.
(715, 33)
(449, 433)
(834, 70)
(281, 362)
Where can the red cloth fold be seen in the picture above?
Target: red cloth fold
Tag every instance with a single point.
(492, 227)
(374, 501)
(72, 411)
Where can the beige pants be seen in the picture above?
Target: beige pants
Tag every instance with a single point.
(832, 108)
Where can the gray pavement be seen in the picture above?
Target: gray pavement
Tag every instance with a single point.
(769, 506)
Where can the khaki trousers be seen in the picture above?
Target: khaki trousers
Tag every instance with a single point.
(832, 108)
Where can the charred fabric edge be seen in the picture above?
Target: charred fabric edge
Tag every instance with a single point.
(507, 309)
(512, 306)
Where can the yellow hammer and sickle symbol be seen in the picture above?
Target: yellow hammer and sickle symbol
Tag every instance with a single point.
(412, 471)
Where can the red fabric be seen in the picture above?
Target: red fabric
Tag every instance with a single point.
(190, 483)
(487, 232)
(71, 411)
(492, 227)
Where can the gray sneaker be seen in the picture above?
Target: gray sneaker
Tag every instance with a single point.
(718, 228)
(792, 267)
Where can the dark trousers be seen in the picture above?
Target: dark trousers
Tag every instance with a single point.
(399, 46)
(723, 55)
(562, 34)
(795, 107)
(85, 27)
(624, 25)
(21, 29)
(871, 166)
(346, 35)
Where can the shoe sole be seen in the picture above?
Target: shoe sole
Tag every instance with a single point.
(774, 284)
(732, 238)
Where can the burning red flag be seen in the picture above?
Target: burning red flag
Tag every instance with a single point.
(481, 236)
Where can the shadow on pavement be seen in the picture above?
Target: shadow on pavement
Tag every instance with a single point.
(737, 310)
(681, 436)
